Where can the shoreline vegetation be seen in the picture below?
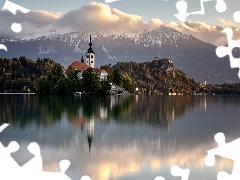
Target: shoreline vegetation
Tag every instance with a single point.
(159, 77)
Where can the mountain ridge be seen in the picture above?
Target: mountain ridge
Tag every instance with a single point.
(189, 54)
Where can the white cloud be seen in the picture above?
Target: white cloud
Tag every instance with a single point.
(101, 17)
(32, 22)
(207, 33)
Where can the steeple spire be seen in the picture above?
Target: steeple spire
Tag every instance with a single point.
(90, 43)
(90, 50)
(90, 55)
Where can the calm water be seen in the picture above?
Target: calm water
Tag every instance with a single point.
(122, 138)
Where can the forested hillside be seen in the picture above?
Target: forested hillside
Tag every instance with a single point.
(20, 74)
(158, 77)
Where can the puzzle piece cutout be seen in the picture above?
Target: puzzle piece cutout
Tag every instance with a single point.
(227, 150)
(177, 171)
(33, 168)
(182, 9)
(222, 51)
(16, 27)
(236, 16)
(12, 7)
(3, 126)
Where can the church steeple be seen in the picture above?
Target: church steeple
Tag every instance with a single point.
(90, 55)
(90, 50)
(90, 43)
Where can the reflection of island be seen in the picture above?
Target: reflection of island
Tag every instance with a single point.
(158, 111)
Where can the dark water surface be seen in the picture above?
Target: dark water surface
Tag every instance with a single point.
(122, 138)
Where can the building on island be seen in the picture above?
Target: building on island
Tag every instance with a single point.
(90, 55)
(81, 66)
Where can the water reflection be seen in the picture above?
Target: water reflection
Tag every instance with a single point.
(24, 110)
(129, 137)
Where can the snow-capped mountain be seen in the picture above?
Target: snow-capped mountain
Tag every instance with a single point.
(194, 57)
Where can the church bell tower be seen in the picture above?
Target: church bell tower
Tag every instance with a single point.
(90, 61)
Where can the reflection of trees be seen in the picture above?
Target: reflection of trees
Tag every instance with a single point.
(23, 110)
(159, 110)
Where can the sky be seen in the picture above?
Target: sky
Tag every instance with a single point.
(122, 15)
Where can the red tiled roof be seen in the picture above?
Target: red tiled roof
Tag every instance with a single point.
(99, 71)
(79, 66)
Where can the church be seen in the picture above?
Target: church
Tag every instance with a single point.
(81, 66)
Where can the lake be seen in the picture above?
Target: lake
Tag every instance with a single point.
(122, 137)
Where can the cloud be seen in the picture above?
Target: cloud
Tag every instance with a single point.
(207, 33)
(32, 22)
(101, 17)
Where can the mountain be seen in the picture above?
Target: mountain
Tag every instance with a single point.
(190, 55)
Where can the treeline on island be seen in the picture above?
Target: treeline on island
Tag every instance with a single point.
(45, 76)
(161, 77)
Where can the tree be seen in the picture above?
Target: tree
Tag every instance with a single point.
(117, 76)
(105, 87)
(127, 83)
(72, 73)
(91, 82)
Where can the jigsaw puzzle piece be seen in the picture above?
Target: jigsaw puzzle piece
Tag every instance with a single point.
(5, 155)
(177, 171)
(222, 51)
(159, 178)
(12, 7)
(181, 6)
(221, 6)
(236, 16)
(227, 150)
(64, 165)
(7, 163)
(3, 47)
(5, 125)
(223, 176)
(182, 15)
(88, 178)
(35, 164)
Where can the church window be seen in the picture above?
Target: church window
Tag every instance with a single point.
(91, 61)
(91, 56)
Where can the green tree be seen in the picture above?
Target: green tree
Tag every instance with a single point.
(117, 76)
(127, 83)
(72, 73)
(91, 82)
